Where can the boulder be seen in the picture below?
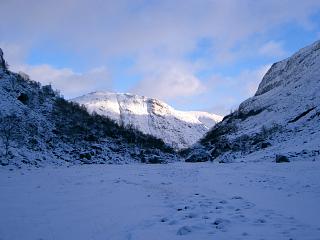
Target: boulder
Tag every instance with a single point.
(199, 155)
(282, 159)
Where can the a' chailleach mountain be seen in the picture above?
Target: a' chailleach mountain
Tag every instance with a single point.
(37, 126)
(282, 118)
(179, 129)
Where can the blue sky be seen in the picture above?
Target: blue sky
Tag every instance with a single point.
(195, 55)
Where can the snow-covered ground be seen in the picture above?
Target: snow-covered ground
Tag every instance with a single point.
(173, 201)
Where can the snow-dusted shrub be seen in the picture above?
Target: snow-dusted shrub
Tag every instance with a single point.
(9, 131)
(24, 76)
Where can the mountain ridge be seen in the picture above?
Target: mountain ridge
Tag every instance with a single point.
(282, 118)
(180, 129)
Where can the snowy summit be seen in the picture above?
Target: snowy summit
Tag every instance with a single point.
(180, 129)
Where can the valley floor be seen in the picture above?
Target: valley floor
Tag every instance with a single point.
(174, 201)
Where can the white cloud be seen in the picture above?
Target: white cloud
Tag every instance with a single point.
(169, 81)
(70, 83)
(236, 88)
(125, 26)
(13, 53)
(248, 80)
(272, 49)
(157, 34)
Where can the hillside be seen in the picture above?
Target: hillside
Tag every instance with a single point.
(282, 118)
(39, 127)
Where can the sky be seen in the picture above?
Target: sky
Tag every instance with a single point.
(193, 54)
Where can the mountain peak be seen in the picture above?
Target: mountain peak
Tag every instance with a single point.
(291, 69)
(179, 129)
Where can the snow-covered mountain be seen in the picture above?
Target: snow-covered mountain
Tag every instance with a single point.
(39, 127)
(180, 129)
(283, 118)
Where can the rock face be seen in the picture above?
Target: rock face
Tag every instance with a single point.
(282, 118)
(38, 127)
(179, 129)
(2, 62)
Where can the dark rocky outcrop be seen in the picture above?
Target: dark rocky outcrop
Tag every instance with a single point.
(282, 159)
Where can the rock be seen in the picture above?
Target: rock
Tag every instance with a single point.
(155, 160)
(2, 62)
(4, 162)
(199, 155)
(164, 220)
(282, 159)
(265, 145)
(85, 156)
(23, 98)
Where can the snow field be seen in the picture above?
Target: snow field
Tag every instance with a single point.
(173, 201)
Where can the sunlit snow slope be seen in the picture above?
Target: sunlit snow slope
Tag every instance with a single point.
(179, 129)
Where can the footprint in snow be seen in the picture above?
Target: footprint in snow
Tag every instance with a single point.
(249, 205)
(163, 220)
(221, 223)
(260, 221)
(173, 222)
(223, 202)
(191, 215)
(237, 197)
(184, 230)
(240, 217)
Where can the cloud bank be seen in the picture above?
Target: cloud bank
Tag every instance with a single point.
(163, 38)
